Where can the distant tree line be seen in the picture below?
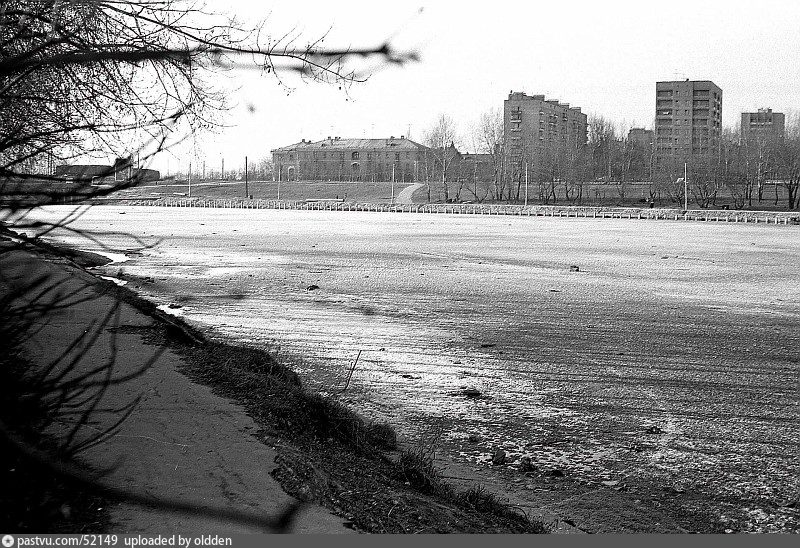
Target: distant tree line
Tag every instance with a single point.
(739, 173)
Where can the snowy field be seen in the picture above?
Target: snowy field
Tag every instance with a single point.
(669, 357)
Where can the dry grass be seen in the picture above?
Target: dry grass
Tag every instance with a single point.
(268, 190)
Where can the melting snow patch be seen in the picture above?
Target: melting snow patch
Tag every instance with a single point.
(115, 257)
(169, 310)
(115, 280)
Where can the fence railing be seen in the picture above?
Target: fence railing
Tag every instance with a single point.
(586, 212)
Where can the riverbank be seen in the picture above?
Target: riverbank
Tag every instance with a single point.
(648, 388)
(406, 206)
(186, 442)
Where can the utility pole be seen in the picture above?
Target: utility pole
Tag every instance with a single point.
(204, 170)
(475, 176)
(393, 183)
(685, 188)
(189, 179)
(246, 188)
(222, 170)
(526, 184)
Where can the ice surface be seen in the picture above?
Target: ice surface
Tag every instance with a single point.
(672, 353)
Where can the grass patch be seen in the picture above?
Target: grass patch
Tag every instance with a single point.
(416, 467)
(332, 456)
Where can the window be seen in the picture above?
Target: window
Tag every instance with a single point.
(354, 155)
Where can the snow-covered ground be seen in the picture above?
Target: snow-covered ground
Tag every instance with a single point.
(670, 354)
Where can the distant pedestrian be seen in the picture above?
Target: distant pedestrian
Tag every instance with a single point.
(652, 203)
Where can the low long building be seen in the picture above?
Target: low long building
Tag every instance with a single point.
(94, 172)
(337, 159)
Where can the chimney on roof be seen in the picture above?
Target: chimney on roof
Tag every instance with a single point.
(391, 137)
(402, 136)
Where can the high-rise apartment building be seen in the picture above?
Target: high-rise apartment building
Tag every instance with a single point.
(541, 133)
(688, 123)
(763, 126)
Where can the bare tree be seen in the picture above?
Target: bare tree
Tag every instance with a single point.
(441, 140)
(732, 166)
(123, 77)
(490, 139)
(602, 138)
(788, 162)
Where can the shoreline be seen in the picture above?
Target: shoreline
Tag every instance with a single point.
(552, 488)
(358, 482)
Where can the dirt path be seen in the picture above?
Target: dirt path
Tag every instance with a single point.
(405, 195)
(182, 441)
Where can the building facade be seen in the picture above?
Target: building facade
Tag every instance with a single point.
(688, 124)
(476, 167)
(337, 159)
(541, 134)
(763, 126)
(642, 137)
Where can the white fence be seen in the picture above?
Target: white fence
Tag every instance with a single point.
(706, 215)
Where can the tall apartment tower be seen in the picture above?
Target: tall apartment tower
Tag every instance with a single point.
(688, 124)
(541, 132)
(763, 126)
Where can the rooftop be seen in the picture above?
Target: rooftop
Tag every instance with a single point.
(392, 143)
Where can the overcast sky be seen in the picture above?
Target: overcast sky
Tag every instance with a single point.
(604, 57)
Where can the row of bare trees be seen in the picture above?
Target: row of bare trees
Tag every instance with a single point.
(740, 172)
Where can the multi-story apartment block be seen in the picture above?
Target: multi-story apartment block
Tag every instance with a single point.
(763, 126)
(338, 159)
(642, 137)
(541, 133)
(688, 124)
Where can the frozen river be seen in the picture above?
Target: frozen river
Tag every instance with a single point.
(670, 356)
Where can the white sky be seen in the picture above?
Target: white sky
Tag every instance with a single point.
(603, 56)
